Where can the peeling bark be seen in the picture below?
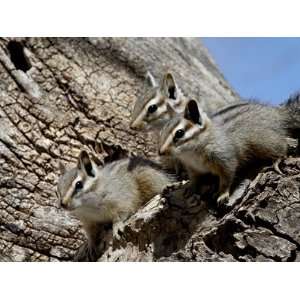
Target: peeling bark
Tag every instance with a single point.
(66, 94)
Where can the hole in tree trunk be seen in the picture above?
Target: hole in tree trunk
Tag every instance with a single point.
(17, 56)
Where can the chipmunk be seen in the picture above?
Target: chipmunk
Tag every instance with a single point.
(230, 139)
(109, 193)
(150, 112)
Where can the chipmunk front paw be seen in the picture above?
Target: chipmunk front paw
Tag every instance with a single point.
(276, 166)
(118, 228)
(223, 199)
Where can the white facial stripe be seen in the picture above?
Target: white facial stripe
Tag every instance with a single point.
(68, 196)
(182, 125)
(191, 132)
(154, 101)
(170, 137)
(160, 110)
(139, 120)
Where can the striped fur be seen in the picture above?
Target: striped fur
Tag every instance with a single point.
(167, 92)
(117, 179)
(111, 193)
(230, 139)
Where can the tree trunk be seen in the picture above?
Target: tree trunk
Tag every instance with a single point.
(59, 95)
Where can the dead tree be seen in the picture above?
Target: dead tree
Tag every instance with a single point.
(59, 95)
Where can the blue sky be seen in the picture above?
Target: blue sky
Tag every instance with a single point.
(262, 68)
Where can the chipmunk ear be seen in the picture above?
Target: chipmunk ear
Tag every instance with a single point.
(108, 150)
(85, 164)
(150, 79)
(193, 113)
(171, 111)
(62, 168)
(168, 86)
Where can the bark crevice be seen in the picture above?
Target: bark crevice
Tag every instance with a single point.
(68, 94)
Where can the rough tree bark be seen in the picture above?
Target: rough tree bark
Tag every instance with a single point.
(58, 95)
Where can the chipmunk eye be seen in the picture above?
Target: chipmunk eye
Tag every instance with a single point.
(78, 186)
(178, 135)
(152, 109)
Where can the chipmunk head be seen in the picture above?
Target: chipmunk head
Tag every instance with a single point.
(150, 112)
(182, 129)
(74, 183)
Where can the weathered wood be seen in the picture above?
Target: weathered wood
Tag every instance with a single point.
(76, 92)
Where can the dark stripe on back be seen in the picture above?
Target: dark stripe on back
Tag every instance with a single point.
(236, 114)
(139, 161)
(228, 108)
(232, 117)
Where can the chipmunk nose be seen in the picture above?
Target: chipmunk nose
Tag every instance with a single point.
(137, 125)
(64, 204)
(133, 125)
(161, 152)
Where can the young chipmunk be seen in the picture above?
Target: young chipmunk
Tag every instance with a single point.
(108, 194)
(231, 139)
(150, 112)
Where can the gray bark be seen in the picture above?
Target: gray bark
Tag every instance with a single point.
(68, 94)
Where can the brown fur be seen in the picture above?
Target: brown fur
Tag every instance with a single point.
(109, 194)
(232, 139)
